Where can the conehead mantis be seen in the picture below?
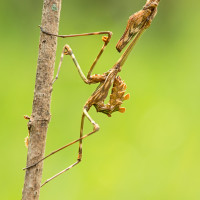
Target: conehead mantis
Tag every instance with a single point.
(137, 23)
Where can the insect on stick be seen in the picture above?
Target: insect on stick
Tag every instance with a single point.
(137, 23)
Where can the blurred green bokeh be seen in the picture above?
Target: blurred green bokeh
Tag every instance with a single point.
(149, 153)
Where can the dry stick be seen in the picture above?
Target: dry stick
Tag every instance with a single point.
(40, 117)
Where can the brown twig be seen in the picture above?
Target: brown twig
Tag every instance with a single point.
(39, 120)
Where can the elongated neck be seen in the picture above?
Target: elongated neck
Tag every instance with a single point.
(130, 47)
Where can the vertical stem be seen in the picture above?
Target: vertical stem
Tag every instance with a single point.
(40, 117)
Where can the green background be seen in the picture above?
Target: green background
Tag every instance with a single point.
(152, 151)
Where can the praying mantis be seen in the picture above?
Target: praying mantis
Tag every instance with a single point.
(137, 24)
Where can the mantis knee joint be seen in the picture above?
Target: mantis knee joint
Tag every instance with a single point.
(67, 50)
(96, 127)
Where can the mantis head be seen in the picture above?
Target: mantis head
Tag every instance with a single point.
(137, 21)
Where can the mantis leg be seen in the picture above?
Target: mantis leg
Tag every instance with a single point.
(109, 33)
(89, 79)
(96, 128)
(68, 51)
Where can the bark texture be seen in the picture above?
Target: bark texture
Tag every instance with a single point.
(40, 117)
